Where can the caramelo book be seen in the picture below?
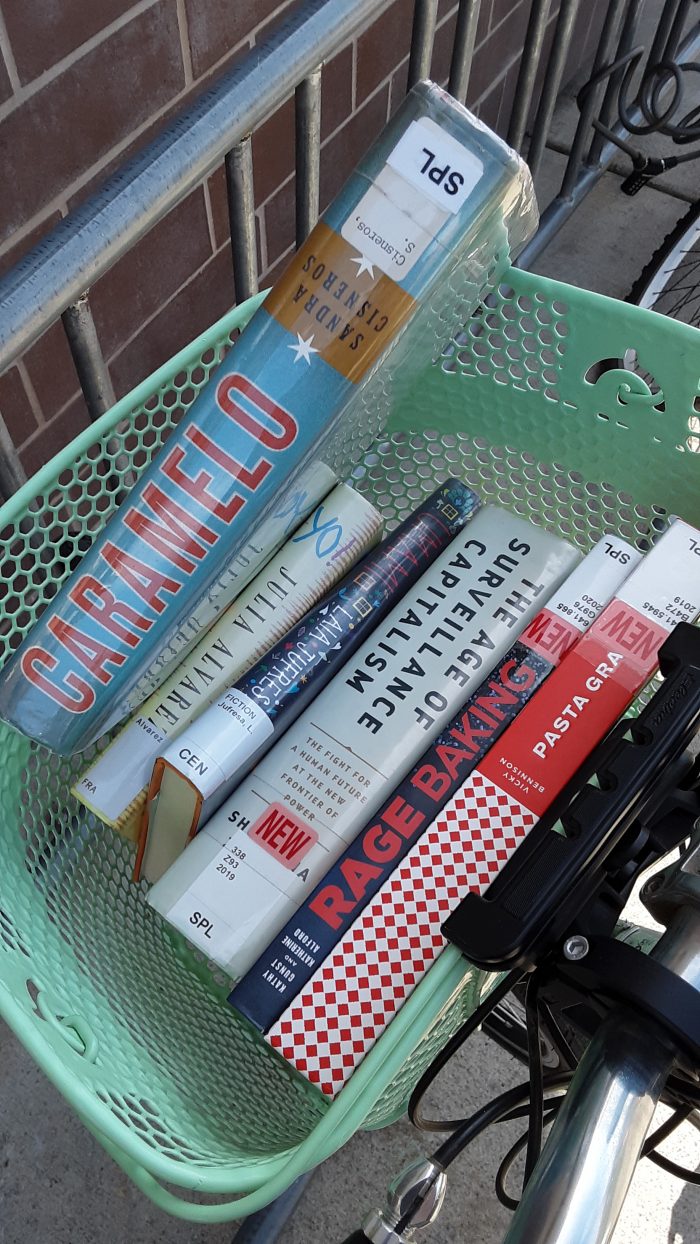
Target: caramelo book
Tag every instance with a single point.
(408, 231)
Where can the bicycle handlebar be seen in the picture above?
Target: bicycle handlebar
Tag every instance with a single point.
(579, 1185)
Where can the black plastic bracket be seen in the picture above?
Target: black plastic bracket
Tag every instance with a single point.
(646, 168)
(643, 800)
(615, 972)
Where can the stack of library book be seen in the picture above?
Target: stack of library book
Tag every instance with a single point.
(318, 735)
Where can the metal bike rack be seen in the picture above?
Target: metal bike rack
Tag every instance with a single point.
(590, 156)
(52, 281)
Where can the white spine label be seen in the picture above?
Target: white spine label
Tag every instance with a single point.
(436, 164)
(392, 226)
(123, 769)
(588, 589)
(653, 589)
(223, 739)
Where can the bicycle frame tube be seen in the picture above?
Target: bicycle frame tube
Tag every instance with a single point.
(579, 1185)
(584, 173)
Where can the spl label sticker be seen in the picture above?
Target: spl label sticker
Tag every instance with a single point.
(436, 164)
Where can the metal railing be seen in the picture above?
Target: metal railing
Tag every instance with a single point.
(53, 279)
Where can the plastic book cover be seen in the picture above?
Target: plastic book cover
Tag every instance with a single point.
(436, 187)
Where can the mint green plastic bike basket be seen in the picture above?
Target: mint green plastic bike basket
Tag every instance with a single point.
(571, 409)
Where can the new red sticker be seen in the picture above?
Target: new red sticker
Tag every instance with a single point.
(282, 835)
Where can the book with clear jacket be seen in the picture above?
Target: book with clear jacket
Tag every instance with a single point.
(194, 776)
(339, 530)
(255, 861)
(295, 955)
(295, 504)
(391, 245)
(337, 1017)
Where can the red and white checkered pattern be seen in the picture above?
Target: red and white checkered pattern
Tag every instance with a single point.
(329, 1027)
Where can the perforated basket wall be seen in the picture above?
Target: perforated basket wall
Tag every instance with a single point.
(572, 410)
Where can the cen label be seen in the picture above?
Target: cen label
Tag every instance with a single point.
(436, 163)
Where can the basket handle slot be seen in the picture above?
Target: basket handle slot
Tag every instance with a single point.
(73, 1028)
(622, 382)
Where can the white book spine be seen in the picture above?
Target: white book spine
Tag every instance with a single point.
(267, 846)
(295, 505)
(338, 532)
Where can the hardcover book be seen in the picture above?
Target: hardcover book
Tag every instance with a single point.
(338, 532)
(344, 1008)
(194, 776)
(296, 503)
(436, 189)
(309, 936)
(267, 846)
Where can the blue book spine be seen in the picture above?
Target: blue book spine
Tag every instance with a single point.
(382, 251)
(288, 677)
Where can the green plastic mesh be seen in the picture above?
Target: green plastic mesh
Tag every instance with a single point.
(87, 942)
(569, 409)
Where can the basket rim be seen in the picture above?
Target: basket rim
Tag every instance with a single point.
(237, 317)
(264, 1177)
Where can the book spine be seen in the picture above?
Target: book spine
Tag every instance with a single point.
(297, 502)
(270, 406)
(253, 864)
(338, 531)
(602, 675)
(228, 739)
(293, 957)
(391, 946)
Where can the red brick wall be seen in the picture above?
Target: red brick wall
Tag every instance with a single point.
(84, 84)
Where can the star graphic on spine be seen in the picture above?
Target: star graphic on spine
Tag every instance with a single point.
(304, 349)
(363, 265)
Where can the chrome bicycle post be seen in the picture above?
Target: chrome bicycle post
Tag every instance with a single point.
(579, 1185)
